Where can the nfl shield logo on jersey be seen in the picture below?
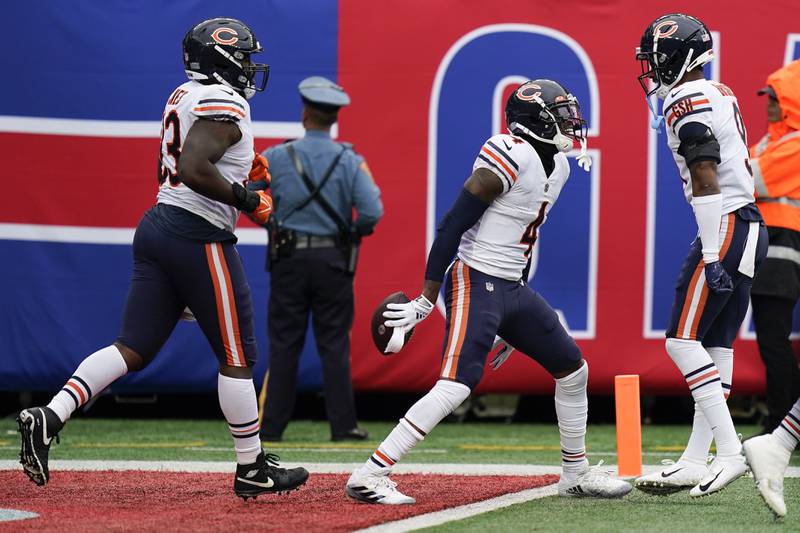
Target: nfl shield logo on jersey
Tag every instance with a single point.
(489, 286)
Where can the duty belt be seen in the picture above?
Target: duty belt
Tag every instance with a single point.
(307, 242)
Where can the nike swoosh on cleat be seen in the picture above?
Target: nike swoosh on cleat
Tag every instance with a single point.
(667, 474)
(45, 438)
(256, 483)
(705, 487)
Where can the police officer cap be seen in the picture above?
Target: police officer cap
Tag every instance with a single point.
(322, 91)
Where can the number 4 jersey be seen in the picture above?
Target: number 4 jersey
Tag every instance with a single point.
(500, 243)
(713, 105)
(190, 102)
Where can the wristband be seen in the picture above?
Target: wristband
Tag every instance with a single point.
(244, 200)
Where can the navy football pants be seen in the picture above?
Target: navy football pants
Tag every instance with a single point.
(480, 306)
(170, 274)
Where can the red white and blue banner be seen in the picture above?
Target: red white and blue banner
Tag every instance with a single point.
(79, 119)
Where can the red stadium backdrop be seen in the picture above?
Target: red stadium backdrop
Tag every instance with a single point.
(426, 80)
(390, 58)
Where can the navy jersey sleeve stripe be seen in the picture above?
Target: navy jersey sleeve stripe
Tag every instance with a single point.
(505, 155)
(221, 101)
(690, 113)
(498, 169)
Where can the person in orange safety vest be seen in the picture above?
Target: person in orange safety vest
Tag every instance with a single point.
(776, 172)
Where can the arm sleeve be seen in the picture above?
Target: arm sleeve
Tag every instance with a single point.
(498, 155)
(464, 213)
(366, 199)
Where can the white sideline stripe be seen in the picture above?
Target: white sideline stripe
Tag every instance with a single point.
(97, 235)
(464, 511)
(127, 128)
(324, 468)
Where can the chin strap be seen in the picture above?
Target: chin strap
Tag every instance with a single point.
(657, 122)
(584, 161)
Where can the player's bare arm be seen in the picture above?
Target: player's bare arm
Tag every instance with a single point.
(205, 144)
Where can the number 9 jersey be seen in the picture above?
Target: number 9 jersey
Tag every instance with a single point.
(713, 105)
(190, 102)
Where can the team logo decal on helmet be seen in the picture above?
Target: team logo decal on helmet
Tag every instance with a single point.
(217, 36)
(528, 91)
(659, 31)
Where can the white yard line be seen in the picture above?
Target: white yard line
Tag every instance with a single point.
(461, 512)
(324, 468)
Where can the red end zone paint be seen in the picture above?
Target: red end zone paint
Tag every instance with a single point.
(154, 501)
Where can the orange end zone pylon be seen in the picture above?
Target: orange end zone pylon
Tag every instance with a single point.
(629, 425)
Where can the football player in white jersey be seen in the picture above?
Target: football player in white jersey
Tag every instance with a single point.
(491, 229)
(184, 255)
(708, 141)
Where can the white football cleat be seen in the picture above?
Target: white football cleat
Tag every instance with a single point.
(768, 461)
(370, 488)
(674, 477)
(722, 472)
(592, 483)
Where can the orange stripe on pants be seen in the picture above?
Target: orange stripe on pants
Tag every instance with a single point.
(218, 298)
(464, 321)
(726, 244)
(453, 303)
(237, 337)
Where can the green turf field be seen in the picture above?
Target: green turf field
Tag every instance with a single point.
(737, 509)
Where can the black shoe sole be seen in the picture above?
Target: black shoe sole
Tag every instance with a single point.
(244, 495)
(661, 490)
(31, 464)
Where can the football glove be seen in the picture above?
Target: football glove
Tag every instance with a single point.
(501, 356)
(260, 215)
(260, 169)
(717, 278)
(406, 316)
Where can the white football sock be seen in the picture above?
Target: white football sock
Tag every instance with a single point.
(423, 416)
(704, 382)
(92, 376)
(237, 399)
(700, 440)
(788, 432)
(572, 408)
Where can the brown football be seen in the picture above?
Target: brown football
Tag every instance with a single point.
(380, 333)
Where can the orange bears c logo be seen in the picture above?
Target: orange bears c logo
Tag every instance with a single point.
(529, 91)
(218, 36)
(665, 29)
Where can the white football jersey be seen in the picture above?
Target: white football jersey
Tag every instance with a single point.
(500, 243)
(188, 103)
(714, 105)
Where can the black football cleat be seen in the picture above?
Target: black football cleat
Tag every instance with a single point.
(37, 426)
(266, 477)
(353, 434)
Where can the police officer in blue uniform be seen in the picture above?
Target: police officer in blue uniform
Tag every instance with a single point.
(316, 183)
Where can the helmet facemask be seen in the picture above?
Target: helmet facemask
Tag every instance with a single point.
(562, 124)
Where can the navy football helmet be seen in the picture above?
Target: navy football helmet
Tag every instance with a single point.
(218, 50)
(671, 46)
(544, 110)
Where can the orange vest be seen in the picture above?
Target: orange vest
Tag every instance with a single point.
(776, 175)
